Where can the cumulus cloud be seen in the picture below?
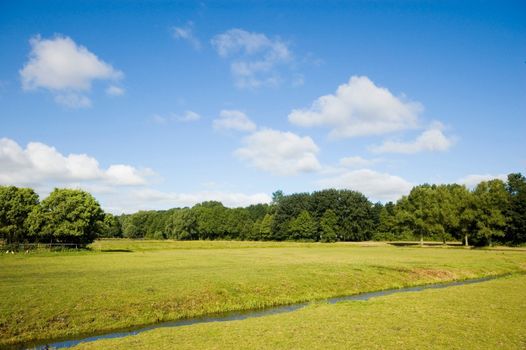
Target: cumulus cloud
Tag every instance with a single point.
(373, 184)
(432, 139)
(65, 68)
(186, 33)
(255, 58)
(40, 164)
(233, 120)
(473, 180)
(279, 153)
(357, 162)
(359, 108)
(147, 199)
(113, 90)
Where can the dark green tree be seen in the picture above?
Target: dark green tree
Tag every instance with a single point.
(329, 226)
(277, 196)
(516, 213)
(183, 225)
(491, 200)
(111, 226)
(303, 227)
(15, 206)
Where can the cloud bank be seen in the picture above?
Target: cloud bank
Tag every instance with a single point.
(373, 184)
(39, 164)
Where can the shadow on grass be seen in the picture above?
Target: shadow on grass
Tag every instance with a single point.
(116, 250)
(426, 244)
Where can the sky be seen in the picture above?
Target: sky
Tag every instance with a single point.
(161, 104)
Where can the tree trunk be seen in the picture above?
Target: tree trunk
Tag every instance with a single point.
(466, 240)
(421, 239)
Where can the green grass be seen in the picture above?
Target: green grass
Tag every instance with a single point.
(51, 295)
(490, 315)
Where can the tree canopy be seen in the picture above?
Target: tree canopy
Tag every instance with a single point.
(493, 212)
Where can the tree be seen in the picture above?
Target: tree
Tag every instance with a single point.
(288, 208)
(265, 228)
(111, 226)
(516, 213)
(387, 227)
(417, 212)
(183, 225)
(491, 199)
(355, 216)
(211, 219)
(329, 226)
(15, 206)
(277, 196)
(68, 216)
(303, 227)
(463, 221)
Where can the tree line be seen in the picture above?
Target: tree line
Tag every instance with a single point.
(493, 212)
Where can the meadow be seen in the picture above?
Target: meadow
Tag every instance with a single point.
(489, 315)
(123, 283)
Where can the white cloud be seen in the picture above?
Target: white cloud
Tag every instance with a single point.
(234, 120)
(357, 162)
(255, 58)
(147, 198)
(39, 164)
(188, 116)
(73, 100)
(473, 180)
(65, 68)
(359, 108)
(432, 139)
(280, 153)
(373, 184)
(113, 90)
(186, 33)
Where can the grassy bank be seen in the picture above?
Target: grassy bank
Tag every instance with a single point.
(489, 315)
(126, 283)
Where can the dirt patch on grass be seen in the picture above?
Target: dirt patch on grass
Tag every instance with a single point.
(436, 274)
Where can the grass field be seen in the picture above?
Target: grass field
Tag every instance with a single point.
(125, 283)
(489, 315)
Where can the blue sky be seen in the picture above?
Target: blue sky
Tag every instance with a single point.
(151, 105)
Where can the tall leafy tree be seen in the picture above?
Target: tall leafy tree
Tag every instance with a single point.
(462, 218)
(491, 200)
(211, 219)
(329, 226)
(15, 206)
(303, 227)
(516, 213)
(187, 226)
(288, 208)
(111, 226)
(66, 215)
